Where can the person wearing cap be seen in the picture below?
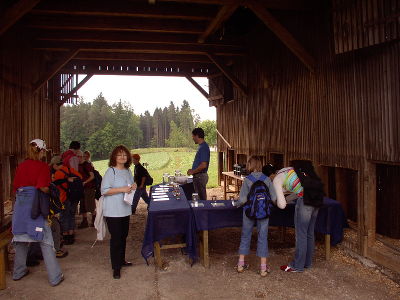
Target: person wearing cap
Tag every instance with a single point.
(31, 183)
(140, 175)
(200, 164)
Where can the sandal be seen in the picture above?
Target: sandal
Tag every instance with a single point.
(265, 272)
(241, 269)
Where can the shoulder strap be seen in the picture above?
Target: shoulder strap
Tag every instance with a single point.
(263, 177)
(64, 172)
(251, 178)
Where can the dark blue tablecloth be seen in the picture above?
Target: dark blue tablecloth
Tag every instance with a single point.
(331, 219)
(167, 219)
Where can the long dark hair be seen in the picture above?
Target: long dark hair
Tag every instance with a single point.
(313, 188)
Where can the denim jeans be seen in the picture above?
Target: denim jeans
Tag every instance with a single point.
(304, 221)
(53, 268)
(67, 216)
(262, 241)
(139, 193)
(200, 183)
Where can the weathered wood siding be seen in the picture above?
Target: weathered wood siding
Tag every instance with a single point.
(23, 115)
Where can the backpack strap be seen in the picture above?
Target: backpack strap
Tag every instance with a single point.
(251, 178)
(263, 177)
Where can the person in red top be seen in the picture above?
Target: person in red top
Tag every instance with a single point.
(67, 216)
(88, 203)
(32, 177)
(69, 157)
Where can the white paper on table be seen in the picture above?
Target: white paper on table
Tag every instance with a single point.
(161, 199)
(159, 193)
(128, 197)
(160, 196)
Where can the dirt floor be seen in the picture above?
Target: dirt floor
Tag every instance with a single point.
(88, 273)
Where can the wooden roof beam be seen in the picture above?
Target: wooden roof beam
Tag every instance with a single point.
(271, 4)
(198, 87)
(141, 57)
(15, 12)
(75, 89)
(115, 23)
(63, 60)
(282, 33)
(141, 48)
(224, 13)
(236, 82)
(172, 10)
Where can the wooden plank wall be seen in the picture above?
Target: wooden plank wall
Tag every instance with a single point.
(338, 116)
(23, 115)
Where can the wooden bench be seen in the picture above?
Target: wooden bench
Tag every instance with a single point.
(5, 238)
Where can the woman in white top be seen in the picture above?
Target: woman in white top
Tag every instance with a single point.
(117, 181)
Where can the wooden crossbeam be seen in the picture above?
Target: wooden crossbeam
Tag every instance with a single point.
(15, 12)
(103, 56)
(174, 10)
(63, 60)
(198, 87)
(75, 89)
(224, 13)
(115, 23)
(282, 33)
(141, 47)
(272, 4)
(242, 88)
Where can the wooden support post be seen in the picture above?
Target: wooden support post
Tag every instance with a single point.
(197, 86)
(225, 185)
(282, 33)
(157, 255)
(327, 246)
(55, 68)
(75, 89)
(16, 12)
(2, 269)
(224, 13)
(228, 73)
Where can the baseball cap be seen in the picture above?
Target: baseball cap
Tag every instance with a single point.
(39, 143)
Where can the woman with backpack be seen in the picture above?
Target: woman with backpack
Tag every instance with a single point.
(302, 180)
(31, 210)
(117, 181)
(266, 192)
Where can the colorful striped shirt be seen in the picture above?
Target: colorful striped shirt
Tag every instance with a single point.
(292, 182)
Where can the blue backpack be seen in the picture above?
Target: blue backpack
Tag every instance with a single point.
(259, 203)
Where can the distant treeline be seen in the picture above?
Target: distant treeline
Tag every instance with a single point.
(100, 126)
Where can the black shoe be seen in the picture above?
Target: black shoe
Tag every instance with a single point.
(117, 274)
(127, 264)
(61, 254)
(32, 263)
(26, 273)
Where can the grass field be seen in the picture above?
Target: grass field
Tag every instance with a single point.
(167, 160)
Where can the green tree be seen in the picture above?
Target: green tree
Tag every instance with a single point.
(176, 137)
(210, 131)
(102, 142)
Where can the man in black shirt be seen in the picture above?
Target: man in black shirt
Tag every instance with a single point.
(140, 176)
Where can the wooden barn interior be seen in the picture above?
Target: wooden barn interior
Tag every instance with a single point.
(291, 79)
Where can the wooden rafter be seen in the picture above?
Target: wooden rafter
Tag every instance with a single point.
(282, 33)
(15, 12)
(63, 60)
(272, 4)
(236, 82)
(224, 13)
(141, 56)
(197, 86)
(115, 23)
(141, 47)
(173, 10)
(75, 89)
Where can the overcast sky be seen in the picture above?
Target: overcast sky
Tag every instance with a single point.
(148, 92)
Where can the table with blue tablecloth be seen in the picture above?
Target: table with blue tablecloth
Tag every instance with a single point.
(330, 221)
(167, 218)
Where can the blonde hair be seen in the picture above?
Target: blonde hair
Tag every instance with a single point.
(254, 164)
(33, 152)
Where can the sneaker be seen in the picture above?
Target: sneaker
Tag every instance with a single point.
(61, 254)
(286, 268)
(61, 280)
(26, 273)
(265, 272)
(241, 269)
